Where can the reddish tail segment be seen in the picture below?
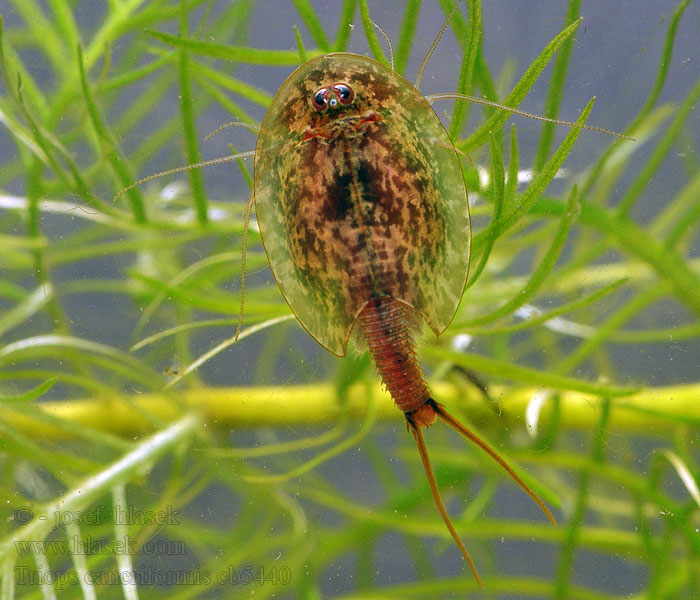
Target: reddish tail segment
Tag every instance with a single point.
(385, 324)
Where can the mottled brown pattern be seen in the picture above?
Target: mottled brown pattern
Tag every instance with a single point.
(360, 202)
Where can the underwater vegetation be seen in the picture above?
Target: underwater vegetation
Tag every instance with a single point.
(148, 448)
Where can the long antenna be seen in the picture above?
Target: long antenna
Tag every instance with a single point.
(205, 163)
(232, 124)
(244, 251)
(436, 41)
(388, 43)
(483, 101)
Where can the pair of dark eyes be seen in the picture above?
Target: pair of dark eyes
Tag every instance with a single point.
(339, 93)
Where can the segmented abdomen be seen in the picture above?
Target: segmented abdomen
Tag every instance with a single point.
(386, 326)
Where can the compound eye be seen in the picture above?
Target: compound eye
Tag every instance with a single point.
(319, 100)
(344, 92)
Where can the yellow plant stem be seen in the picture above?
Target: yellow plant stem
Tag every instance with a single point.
(317, 405)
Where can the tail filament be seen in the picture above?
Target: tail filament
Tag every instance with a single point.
(423, 451)
(475, 439)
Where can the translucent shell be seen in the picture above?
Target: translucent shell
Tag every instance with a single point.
(360, 200)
